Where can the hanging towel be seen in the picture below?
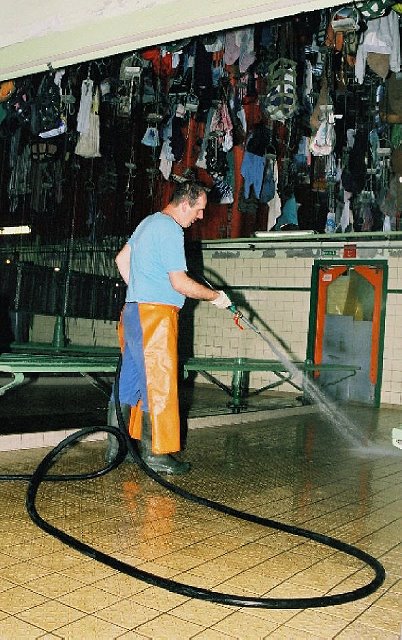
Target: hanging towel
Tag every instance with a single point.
(85, 105)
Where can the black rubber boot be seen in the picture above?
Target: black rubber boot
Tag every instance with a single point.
(160, 463)
(112, 445)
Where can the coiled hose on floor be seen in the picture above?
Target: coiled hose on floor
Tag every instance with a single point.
(125, 443)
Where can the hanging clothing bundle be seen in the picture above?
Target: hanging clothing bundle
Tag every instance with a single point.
(323, 142)
(88, 122)
(381, 37)
(281, 100)
(239, 45)
(221, 125)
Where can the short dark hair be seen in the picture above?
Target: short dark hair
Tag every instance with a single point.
(190, 190)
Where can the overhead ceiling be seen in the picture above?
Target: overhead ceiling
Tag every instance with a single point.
(36, 35)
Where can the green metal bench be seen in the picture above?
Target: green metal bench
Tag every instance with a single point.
(242, 367)
(65, 361)
(97, 361)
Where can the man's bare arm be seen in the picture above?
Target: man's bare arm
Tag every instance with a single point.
(123, 262)
(190, 288)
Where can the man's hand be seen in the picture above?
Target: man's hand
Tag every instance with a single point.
(222, 301)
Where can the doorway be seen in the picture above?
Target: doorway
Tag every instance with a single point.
(347, 316)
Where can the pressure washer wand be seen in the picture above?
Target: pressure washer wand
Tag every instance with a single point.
(239, 316)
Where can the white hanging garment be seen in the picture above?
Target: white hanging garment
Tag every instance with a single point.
(89, 141)
(274, 205)
(166, 158)
(346, 218)
(85, 105)
(381, 36)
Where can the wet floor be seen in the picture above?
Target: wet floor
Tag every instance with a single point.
(293, 467)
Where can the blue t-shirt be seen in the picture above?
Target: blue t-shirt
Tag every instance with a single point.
(157, 247)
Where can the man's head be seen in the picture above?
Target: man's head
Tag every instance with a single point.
(188, 203)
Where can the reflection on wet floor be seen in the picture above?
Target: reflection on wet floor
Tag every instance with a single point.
(77, 402)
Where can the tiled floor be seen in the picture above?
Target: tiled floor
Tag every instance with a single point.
(291, 466)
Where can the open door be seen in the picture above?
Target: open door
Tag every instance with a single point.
(347, 327)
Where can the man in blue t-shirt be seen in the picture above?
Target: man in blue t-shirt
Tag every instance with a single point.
(153, 265)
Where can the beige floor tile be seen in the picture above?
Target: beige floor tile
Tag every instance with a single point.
(289, 589)
(245, 626)
(253, 553)
(3, 615)
(23, 572)
(152, 566)
(88, 572)
(180, 561)
(58, 561)
(201, 612)
(277, 616)
(391, 600)
(190, 578)
(252, 581)
(90, 628)
(359, 631)
(287, 633)
(397, 586)
(54, 585)
(50, 615)
(318, 623)
(88, 599)
(6, 584)
(205, 551)
(212, 634)
(128, 613)
(386, 619)
(159, 599)
(132, 635)
(217, 569)
(166, 627)
(19, 598)
(286, 563)
(128, 557)
(13, 629)
(121, 585)
(5, 560)
(35, 549)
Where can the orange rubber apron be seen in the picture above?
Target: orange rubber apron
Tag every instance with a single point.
(156, 362)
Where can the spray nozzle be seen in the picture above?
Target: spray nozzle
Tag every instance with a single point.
(237, 315)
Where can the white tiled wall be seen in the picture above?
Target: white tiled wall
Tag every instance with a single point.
(280, 312)
(80, 331)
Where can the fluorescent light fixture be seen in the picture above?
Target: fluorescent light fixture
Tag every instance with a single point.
(283, 234)
(14, 231)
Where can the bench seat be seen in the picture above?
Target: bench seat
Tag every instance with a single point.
(240, 368)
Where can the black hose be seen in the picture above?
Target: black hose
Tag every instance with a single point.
(125, 443)
(65, 444)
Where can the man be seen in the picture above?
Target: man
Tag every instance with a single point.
(153, 266)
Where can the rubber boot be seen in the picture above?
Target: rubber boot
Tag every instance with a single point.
(160, 463)
(113, 445)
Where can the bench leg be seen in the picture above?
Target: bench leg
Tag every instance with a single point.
(18, 379)
(240, 380)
